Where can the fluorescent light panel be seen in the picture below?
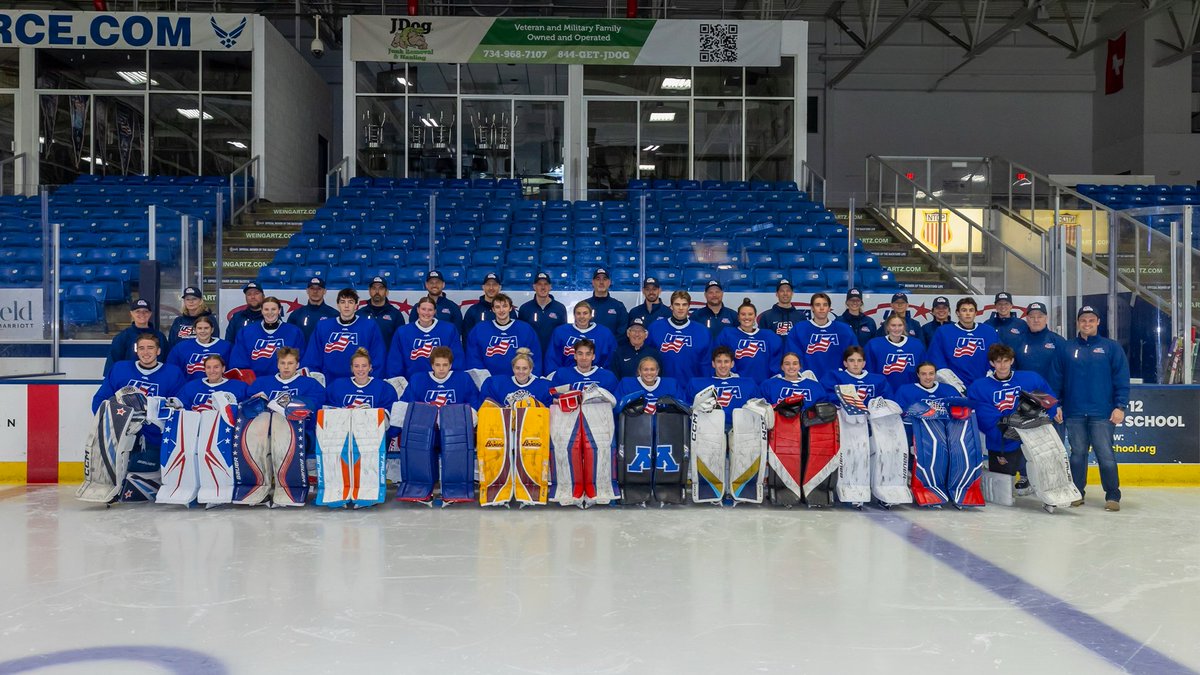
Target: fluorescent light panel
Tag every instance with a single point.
(135, 77)
(676, 83)
(192, 113)
(237, 144)
(662, 117)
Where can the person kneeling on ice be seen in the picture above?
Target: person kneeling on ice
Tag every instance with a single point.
(122, 453)
(197, 394)
(649, 385)
(190, 355)
(442, 385)
(793, 381)
(996, 396)
(584, 371)
(507, 389)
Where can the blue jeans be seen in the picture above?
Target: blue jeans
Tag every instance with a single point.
(1090, 431)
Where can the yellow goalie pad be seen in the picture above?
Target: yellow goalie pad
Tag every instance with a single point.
(493, 454)
(531, 443)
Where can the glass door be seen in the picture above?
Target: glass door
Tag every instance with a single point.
(515, 138)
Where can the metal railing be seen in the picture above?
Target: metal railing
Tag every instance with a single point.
(812, 182)
(337, 177)
(890, 189)
(23, 161)
(249, 172)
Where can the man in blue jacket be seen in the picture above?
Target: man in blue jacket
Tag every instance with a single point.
(1095, 397)
(305, 318)
(1008, 325)
(610, 312)
(543, 312)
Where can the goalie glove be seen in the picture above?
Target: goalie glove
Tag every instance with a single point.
(399, 383)
(318, 376)
(852, 400)
(705, 400)
(479, 375)
(947, 376)
(241, 375)
(818, 414)
(396, 416)
(882, 407)
(759, 406)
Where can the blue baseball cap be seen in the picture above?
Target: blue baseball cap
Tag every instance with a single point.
(941, 301)
(1087, 309)
(541, 276)
(139, 304)
(434, 274)
(251, 286)
(854, 294)
(316, 281)
(1036, 307)
(901, 295)
(1003, 296)
(650, 281)
(192, 292)
(491, 276)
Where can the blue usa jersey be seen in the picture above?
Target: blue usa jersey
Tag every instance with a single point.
(333, 344)
(910, 394)
(895, 361)
(196, 393)
(821, 347)
(963, 351)
(868, 384)
(504, 389)
(663, 386)
(775, 389)
(345, 393)
(999, 398)
(455, 388)
(732, 392)
(188, 356)
(161, 380)
(683, 350)
(493, 347)
(302, 388)
(412, 345)
(572, 377)
(561, 352)
(256, 347)
(755, 355)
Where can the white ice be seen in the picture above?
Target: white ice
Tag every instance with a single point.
(400, 588)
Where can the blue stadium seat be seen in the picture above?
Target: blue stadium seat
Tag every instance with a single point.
(737, 280)
(310, 271)
(520, 277)
(828, 261)
(765, 279)
(521, 258)
(345, 277)
(83, 306)
(694, 276)
(865, 261)
(876, 280)
(626, 278)
(275, 276)
(353, 258)
(486, 259)
(320, 257)
(838, 280)
(453, 258)
(808, 280)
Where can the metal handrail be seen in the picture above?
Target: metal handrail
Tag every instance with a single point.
(234, 209)
(13, 160)
(971, 224)
(342, 171)
(809, 180)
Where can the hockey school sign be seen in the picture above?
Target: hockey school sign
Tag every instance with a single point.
(565, 40)
(1160, 426)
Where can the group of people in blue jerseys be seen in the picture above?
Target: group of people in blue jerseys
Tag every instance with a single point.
(652, 350)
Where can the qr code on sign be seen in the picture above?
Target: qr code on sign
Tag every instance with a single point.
(718, 42)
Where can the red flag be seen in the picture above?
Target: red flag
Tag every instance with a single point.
(1114, 66)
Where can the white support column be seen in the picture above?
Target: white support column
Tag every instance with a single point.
(349, 109)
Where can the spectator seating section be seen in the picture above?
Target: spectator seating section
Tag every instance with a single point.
(748, 235)
(1123, 197)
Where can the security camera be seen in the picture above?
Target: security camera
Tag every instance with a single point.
(317, 47)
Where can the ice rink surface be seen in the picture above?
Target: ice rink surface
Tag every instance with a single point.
(399, 588)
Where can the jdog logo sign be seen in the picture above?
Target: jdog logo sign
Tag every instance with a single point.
(409, 40)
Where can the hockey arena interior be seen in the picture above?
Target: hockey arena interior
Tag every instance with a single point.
(572, 336)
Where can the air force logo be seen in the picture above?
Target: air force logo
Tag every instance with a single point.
(228, 38)
(968, 346)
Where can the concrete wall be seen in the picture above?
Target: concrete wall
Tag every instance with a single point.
(297, 108)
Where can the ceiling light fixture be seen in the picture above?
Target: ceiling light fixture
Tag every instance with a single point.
(192, 113)
(662, 117)
(677, 83)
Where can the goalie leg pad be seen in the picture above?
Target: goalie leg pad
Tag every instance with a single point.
(889, 454)
(214, 454)
(821, 458)
(965, 462)
(635, 457)
(457, 433)
(333, 444)
(997, 488)
(747, 456)
(785, 443)
(596, 429)
(854, 471)
(180, 474)
(370, 427)
(252, 476)
(930, 462)
(106, 455)
(418, 453)
(493, 450)
(566, 435)
(1048, 465)
(287, 461)
(708, 456)
(531, 429)
(672, 455)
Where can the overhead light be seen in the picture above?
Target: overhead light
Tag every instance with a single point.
(97, 161)
(402, 81)
(237, 144)
(136, 77)
(651, 148)
(676, 83)
(647, 167)
(662, 117)
(192, 113)
(973, 178)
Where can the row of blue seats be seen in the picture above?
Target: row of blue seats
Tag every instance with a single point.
(158, 180)
(624, 278)
(562, 206)
(738, 185)
(431, 183)
(1155, 189)
(115, 280)
(1121, 202)
(352, 217)
(719, 226)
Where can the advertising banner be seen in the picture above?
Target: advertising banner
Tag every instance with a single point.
(21, 314)
(1086, 229)
(934, 228)
(1159, 427)
(126, 30)
(564, 40)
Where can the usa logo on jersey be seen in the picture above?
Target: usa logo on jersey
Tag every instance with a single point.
(356, 399)
(499, 346)
(968, 346)
(569, 348)
(786, 392)
(440, 397)
(339, 342)
(265, 348)
(1005, 399)
(783, 327)
(748, 349)
(292, 393)
(675, 343)
(821, 342)
(897, 363)
(195, 363)
(651, 404)
(144, 386)
(725, 395)
(187, 331)
(423, 347)
(201, 401)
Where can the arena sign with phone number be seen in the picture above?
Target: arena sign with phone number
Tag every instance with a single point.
(563, 40)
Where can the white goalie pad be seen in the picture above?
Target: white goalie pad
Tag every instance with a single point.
(889, 453)
(854, 472)
(707, 470)
(748, 450)
(1048, 466)
(997, 488)
(180, 476)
